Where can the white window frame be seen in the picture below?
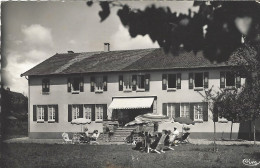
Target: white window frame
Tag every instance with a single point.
(199, 87)
(185, 110)
(51, 113)
(175, 88)
(75, 111)
(99, 79)
(99, 110)
(40, 113)
(138, 81)
(128, 78)
(198, 116)
(87, 112)
(171, 110)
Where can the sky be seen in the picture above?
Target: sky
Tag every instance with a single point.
(35, 31)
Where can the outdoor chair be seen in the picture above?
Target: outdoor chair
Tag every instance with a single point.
(94, 140)
(66, 138)
(184, 138)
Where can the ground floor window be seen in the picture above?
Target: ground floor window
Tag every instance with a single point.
(185, 110)
(198, 112)
(51, 113)
(87, 111)
(171, 110)
(99, 112)
(40, 113)
(75, 111)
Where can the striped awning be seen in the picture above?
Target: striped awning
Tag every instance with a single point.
(131, 103)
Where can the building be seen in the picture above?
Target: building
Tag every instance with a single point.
(119, 85)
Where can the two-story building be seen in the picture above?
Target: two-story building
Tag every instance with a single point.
(119, 85)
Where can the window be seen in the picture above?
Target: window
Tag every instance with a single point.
(87, 111)
(127, 82)
(99, 112)
(171, 80)
(99, 84)
(45, 85)
(185, 110)
(40, 113)
(51, 113)
(171, 110)
(140, 81)
(230, 79)
(75, 111)
(198, 112)
(198, 81)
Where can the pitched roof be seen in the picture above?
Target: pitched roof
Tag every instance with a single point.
(115, 61)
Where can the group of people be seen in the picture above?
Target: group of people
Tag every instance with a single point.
(87, 138)
(159, 143)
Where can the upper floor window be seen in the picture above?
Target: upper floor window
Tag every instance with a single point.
(98, 84)
(45, 85)
(230, 80)
(140, 82)
(198, 81)
(75, 84)
(171, 81)
(127, 82)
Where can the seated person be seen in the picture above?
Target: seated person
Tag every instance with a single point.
(174, 136)
(155, 143)
(95, 135)
(167, 141)
(141, 143)
(85, 137)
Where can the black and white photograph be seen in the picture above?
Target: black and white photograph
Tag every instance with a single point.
(130, 84)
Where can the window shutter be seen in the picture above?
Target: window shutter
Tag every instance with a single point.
(93, 118)
(178, 80)
(92, 83)
(69, 85)
(120, 82)
(56, 113)
(81, 111)
(105, 112)
(164, 81)
(45, 108)
(205, 111)
(206, 79)
(222, 79)
(238, 81)
(104, 83)
(192, 111)
(147, 82)
(47, 85)
(69, 113)
(134, 79)
(164, 109)
(34, 113)
(177, 110)
(43, 86)
(81, 85)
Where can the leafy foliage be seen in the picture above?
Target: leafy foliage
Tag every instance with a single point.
(217, 28)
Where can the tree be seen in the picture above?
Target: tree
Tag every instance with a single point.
(217, 27)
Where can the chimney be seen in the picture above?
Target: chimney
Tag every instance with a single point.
(106, 47)
(70, 52)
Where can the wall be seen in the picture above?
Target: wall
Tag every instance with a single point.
(59, 95)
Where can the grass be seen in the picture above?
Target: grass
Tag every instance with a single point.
(118, 156)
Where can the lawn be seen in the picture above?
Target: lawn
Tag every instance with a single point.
(117, 156)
